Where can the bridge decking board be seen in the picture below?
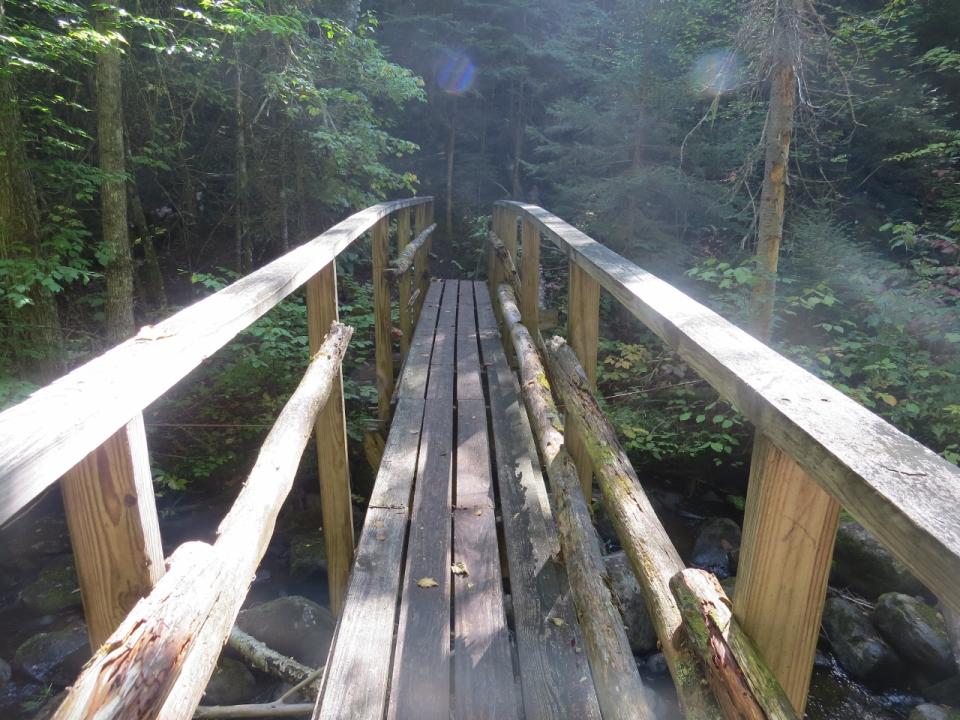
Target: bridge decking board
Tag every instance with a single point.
(403, 650)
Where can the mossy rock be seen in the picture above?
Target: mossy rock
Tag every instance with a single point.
(857, 645)
(934, 712)
(917, 632)
(862, 564)
(308, 555)
(55, 589)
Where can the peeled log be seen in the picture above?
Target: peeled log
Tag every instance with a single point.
(652, 556)
(158, 662)
(619, 689)
(743, 684)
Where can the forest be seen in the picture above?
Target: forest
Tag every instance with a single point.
(152, 153)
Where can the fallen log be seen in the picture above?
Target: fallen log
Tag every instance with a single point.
(405, 259)
(267, 660)
(743, 684)
(620, 691)
(158, 662)
(262, 710)
(652, 555)
(508, 268)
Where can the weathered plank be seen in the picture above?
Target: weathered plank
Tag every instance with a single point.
(112, 515)
(901, 491)
(336, 506)
(483, 678)
(530, 274)
(554, 672)
(421, 669)
(416, 366)
(469, 385)
(382, 323)
(442, 362)
(405, 284)
(55, 428)
(358, 666)
(583, 310)
(789, 527)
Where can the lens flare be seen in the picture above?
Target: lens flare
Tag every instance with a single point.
(455, 72)
(716, 72)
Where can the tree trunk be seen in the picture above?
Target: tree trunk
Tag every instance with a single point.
(243, 248)
(36, 324)
(451, 148)
(151, 276)
(518, 130)
(118, 271)
(778, 134)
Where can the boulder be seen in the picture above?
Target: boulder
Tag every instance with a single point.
(716, 539)
(630, 602)
(858, 646)
(308, 555)
(934, 712)
(55, 589)
(945, 692)
(293, 625)
(32, 540)
(232, 683)
(54, 657)
(917, 632)
(5, 672)
(866, 567)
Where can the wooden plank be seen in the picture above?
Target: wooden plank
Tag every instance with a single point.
(421, 668)
(358, 667)
(442, 362)
(469, 384)
(416, 366)
(112, 515)
(56, 427)
(404, 233)
(530, 275)
(554, 673)
(483, 677)
(336, 506)
(901, 491)
(583, 311)
(789, 527)
(382, 324)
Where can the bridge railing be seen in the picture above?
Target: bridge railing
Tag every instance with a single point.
(816, 450)
(86, 431)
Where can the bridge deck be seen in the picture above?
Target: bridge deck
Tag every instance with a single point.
(458, 605)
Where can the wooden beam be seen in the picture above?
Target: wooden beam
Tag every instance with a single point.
(383, 343)
(742, 682)
(789, 527)
(112, 516)
(648, 547)
(158, 662)
(405, 285)
(583, 313)
(530, 275)
(60, 424)
(333, 463)
(619, 689)
(902, 492)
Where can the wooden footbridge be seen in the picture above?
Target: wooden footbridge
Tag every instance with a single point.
(476, 589)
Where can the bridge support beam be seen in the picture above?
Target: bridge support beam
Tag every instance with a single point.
(331, 432)
(112, 515)
(788, 533)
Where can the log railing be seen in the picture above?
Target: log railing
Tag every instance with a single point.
(816, 451)
(86, 430)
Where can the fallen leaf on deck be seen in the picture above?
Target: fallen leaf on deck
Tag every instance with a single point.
(381, 537)
(458, 568)
(559, 622)
(427, 582)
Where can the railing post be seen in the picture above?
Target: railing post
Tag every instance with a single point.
(494, 276)
(530, 277)
(112, 516)
(331, 433)
(421, 263)
(583, 312)
(383, 345)
(789, 529)
(405, 282)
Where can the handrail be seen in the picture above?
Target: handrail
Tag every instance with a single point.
(900, 490)
(47, 434)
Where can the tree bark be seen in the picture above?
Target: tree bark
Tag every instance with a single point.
(451, 149)
(151, 277)
(243, 247)
(118, 271)
(778, 134)
(36, 324)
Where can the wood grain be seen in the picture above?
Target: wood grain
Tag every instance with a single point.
(112, 516)
(405, 281)
(60, 424)
(530, 274)
(583, 333)
(336, 505)
(416, 366)
(902, 492)
(382, 323)
(789, 527)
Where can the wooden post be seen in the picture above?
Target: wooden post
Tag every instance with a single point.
(112, 516)
(583, 312)
(383, 345)
(788, 532)
(530, 276)
(423, 218)
(405, 282)
(331, 432)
